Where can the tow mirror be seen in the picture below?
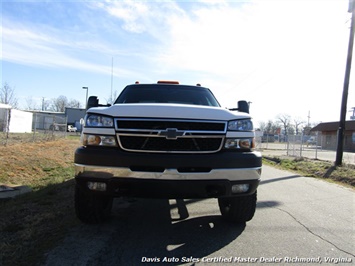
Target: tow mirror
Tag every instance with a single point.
(243, 106)
(93, 101)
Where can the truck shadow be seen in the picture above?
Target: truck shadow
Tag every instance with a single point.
(151, 230)
(267, 181)
(146, 232)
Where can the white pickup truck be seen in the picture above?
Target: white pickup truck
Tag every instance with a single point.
(166, 140)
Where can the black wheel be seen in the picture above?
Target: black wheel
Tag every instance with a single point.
(91, 208)
(238, 209)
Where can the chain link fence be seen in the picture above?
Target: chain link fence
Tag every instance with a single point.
(292, 145)
(319, 146)
(44, 127)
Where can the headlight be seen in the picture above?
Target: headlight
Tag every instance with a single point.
(241, 125)
(98, 121)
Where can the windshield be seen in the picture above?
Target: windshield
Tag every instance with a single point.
(158, 93)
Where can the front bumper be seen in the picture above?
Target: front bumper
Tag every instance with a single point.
(167, 175)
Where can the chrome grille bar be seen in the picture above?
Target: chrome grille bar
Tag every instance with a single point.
(182, 136)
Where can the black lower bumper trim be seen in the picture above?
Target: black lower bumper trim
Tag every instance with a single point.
(116, 158)
(169, 189)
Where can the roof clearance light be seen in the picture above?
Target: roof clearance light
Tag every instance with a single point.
(198, 85)
(137, 82)
(168, 82)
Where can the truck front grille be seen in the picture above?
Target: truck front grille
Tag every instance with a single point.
(164, 124)
(170, 136)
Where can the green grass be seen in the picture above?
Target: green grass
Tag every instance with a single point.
(33, 223)
(344, 174)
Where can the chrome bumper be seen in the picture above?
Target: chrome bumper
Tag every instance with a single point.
(231, 174)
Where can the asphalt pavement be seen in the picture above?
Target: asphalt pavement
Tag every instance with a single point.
(298, 221)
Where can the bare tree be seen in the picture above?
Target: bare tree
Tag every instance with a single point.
(271, 127)
(74, 103)
(262, 126)
(31, 104)
(45, 106)
(284, 119)
(8, 96)
(298, 122)
(59, 104)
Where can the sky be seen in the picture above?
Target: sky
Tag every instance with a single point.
(284, 56)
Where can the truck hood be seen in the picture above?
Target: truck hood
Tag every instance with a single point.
(181, 111)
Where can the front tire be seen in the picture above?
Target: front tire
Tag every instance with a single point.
(238, 209)
(91, 208)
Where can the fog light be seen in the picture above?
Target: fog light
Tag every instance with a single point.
(97, 186)
(240, 188)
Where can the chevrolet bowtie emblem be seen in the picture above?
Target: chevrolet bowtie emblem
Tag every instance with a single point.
(171, 133)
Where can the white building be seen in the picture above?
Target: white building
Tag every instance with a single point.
(14, 121)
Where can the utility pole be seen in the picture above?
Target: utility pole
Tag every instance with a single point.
(341, 130)
(87, 90)
(353, 116)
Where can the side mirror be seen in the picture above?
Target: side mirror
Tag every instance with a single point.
(93, 101)
(243, 106)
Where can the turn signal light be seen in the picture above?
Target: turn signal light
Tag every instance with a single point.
(235, 143)
(95, 140)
